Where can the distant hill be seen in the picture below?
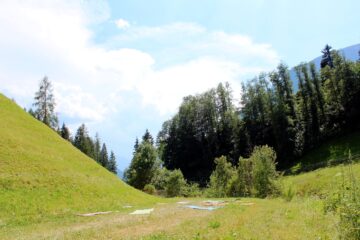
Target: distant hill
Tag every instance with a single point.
(350, 53)
(43, 176)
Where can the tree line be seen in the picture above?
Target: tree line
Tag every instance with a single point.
(44, 111)
(210, 125)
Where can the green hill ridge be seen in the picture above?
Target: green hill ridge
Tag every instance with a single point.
(43, 176)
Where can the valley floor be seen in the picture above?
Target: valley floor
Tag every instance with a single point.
(302, 218)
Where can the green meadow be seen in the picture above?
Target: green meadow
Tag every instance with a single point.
(45, 183)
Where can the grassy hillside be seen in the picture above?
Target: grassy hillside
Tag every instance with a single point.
(330, 153)
(44, 177)
(326, 179)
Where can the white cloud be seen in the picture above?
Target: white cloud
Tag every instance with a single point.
(122, 24)
(54, 38)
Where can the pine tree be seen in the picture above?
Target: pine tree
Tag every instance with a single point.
(112, 163)
(64, 132)
(45, 104)
(319, 92)
(83, 142)
(136, 145)
(147, 137)
(104, 157)
(97, 148)
(311, 96)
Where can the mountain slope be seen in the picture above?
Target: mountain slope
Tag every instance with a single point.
(43, 176)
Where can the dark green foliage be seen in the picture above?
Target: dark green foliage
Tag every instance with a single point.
(326, 59)
(92, 148)
(221, 177)
(143, 166)
(112, 163)
(175, 184)
(136, 145)
(97, 148)
(264, 171)
(83, 142)
(160, 178)
(104, 157)
(64, 132)
(242, 184)
(204, 128)
(45, 104)
(209, 125)
(254, 176)
(146, 138)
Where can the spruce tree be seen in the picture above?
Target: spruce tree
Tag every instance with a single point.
(147, 137)
(97, 148)
(104, 157)
(64, 132)
(83, 142)
(112, 163)
(136, 145)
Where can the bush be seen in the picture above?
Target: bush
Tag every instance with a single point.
(192, 190)
(150, 189)
(221, 178)
(175, 184)
(161, 178)
(242, 184)
(264, 171)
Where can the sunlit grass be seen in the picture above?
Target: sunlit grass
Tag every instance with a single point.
(44, 178)
(45, 183)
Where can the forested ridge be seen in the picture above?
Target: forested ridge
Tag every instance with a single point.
(213, 124)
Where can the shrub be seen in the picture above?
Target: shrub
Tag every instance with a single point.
(160, 178)
(192, 190)
(175, 184)
(150, 189)
(242, 184)
(264, 171)
(220, 179)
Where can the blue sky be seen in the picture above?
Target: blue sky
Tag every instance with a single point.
(123, 66)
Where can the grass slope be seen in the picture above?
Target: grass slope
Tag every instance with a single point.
(43, 177)
(330, 153)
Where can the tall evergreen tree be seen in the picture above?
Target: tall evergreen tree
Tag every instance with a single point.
(136, 145)
(147, 137)
(311, 98)
(45, 104)
(319, 96)
(97, 148)
(104, 157)
(83, 142)
(112, 163)
(284, 119)
(64, 132)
